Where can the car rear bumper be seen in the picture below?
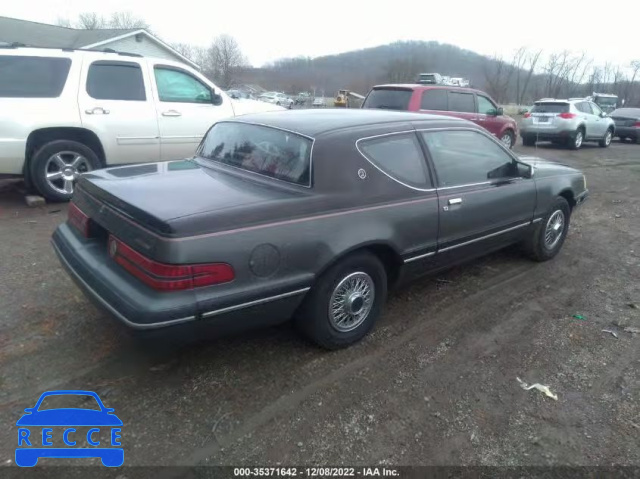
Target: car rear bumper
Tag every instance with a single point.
(139, 307)
(547, 135)
(627, 131)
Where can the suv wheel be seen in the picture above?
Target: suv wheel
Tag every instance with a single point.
(606, 141)
(507, 139)
(346, 301)
(576, 142)
(56, 166)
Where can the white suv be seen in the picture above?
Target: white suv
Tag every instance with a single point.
(65, 112)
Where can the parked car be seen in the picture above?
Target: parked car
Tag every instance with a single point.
(276, 98)
(627, 121)
(570, 122)
(465, 103)
(65, 112)
(302, 98)
(251, 231)
(239, 95)
(318, 102)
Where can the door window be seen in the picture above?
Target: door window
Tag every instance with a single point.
(462, 102)
(115, 81)
(178, 86)
(435, 99)
(485, 106)
(466, 157)
(399, 156)
(596, 109)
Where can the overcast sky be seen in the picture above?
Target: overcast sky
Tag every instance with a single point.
(272, 29)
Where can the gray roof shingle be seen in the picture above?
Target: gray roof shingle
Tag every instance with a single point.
(43, 35)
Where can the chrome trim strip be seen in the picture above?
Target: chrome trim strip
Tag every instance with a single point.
(537, 220)
(228, 309)
(463, 186)
(404, 132)
(421, 256)
(110, 308)
(475, 240)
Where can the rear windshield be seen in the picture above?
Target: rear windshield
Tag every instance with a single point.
(32, 77)
(550, 107)
(260, 149)
(388, 99)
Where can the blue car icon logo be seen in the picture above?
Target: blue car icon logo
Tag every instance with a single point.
(34, 443)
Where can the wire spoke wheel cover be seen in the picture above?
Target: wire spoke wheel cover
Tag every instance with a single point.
(554, 229)
(351, 301)
(63, 169)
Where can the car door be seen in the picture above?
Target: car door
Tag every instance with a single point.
(116, 103)
(462, 105)
(186, 108)
(488, 115)
(589, 119)
(600, 124)
(484, 199)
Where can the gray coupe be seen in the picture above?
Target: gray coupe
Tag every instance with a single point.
(312, 215)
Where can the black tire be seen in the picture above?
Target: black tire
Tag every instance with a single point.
(635, 140)
(535, 246)
(528, 141)
(313, 319)
(512, 139)
(39, 164)
(606, 140)
(576, 140)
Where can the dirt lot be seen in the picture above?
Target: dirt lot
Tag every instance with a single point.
(434, 384)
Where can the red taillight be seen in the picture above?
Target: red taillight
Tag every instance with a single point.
(527, 115)
(77, 218)
(168, 277)
(567, 116)
(636, 124)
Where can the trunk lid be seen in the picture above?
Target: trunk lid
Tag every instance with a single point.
(156, 195)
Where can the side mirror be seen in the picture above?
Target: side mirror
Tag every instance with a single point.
(500, 111)
(527, 171)
(603, 114)
(216, 99)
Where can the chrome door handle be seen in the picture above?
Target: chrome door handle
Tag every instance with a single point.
(171, 113)
(97, 111)
(455, 201)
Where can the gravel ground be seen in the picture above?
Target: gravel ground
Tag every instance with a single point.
(435, 384)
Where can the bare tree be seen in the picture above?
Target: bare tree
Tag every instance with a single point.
(222, 60)
(532, 60)
(498, 73)
(90, 21)
(127, 19)
(93, 21)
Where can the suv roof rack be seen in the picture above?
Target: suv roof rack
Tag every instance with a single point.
(68, 49)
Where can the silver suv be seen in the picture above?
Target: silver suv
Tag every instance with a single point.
(569, 122)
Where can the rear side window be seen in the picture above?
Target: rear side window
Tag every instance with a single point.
(462, 102)
(399, 156)
(115, 81)
(434, 100)
(32, 77)
(388, 99)
(550, 107)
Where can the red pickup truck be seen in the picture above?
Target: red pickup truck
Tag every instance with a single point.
(467, 103)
